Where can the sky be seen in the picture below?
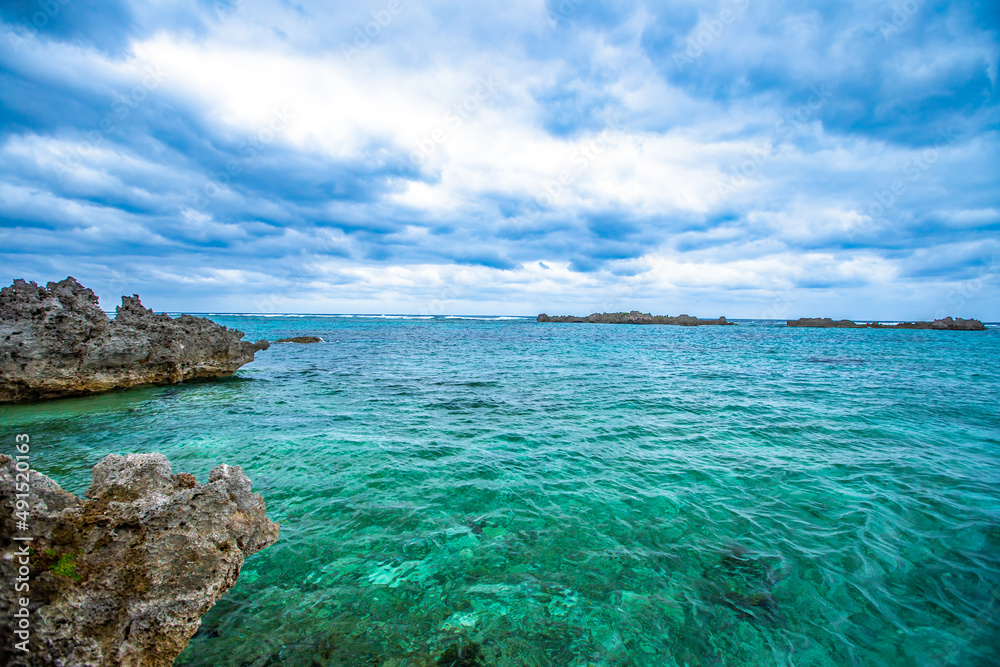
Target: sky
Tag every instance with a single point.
(749, 158)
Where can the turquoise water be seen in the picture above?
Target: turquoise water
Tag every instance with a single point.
(546, 494)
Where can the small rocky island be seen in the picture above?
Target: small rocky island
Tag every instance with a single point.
(303, 340)
(946, 324)
(123, 577)
(56, 341)
(635, 317)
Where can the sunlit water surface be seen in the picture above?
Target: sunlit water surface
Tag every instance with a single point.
(546, 494)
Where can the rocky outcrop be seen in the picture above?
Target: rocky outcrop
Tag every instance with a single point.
(123, 577)
(55, 341)
(824, 323)
(635, 317)
(300, 339)
(947, 324)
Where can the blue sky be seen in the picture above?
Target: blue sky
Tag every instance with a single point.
(753, 158)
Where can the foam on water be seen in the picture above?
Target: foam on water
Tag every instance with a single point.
(588, 495)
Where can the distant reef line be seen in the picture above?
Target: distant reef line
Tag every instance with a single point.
(635, 317)
(946, 324)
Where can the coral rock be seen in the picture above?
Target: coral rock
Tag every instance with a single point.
(124, 577)
(55, 341)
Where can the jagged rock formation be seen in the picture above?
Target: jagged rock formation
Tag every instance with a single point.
(300, 339)
(55, 341)
(124, 577)
(947, 324)
(635, 317)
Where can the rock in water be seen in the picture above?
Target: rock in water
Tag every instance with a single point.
(124, 577)
(635, 317)
(946, 324)
(55, 341)
(300, 339)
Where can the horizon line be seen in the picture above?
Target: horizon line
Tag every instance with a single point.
(496, 316)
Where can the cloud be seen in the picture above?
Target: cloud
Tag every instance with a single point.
(573, 152)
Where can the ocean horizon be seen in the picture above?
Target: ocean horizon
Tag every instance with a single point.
(424, 316)
(565, 494)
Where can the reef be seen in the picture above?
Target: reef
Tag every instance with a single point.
(300, 339)
(124, 576)
(56, 341)
(635, 317)
(743, 583)
(946, 324)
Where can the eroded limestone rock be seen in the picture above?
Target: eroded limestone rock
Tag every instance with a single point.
(124, 576)
(55, 341)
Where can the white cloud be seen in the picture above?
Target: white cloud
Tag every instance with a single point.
(636, 166)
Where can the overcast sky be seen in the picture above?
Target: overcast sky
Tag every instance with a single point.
(752, 158)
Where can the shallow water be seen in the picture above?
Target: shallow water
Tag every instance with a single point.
(553, 494)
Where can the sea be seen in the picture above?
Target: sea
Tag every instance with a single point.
(497, 491)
